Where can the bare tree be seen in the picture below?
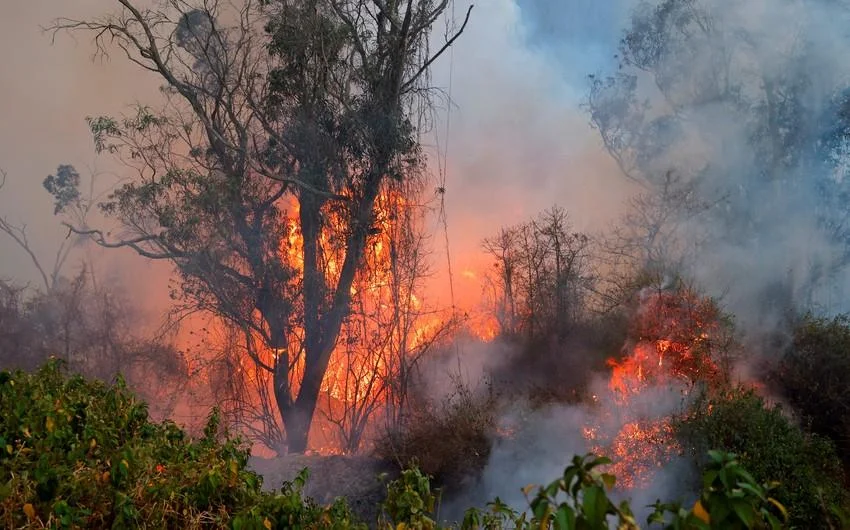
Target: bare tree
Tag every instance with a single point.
(502, 248)
(18, 234)
(654, 241)
(274, 110)
(543, 276)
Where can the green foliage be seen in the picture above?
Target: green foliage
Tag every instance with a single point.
(75, 453)
(64, 186)
(578, 500)
(731, 499)
(770, 447)
(813, 375)
(409, 502)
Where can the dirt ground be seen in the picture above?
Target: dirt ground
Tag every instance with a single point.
(352, 477)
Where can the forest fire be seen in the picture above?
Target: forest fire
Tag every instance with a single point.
(678, 338)
(390, 326)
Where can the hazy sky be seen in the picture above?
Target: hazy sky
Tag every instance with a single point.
(46, 91)
(518, 141)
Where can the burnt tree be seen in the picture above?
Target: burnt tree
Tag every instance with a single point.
(275, 111)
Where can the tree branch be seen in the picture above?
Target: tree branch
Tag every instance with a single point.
(428, 62)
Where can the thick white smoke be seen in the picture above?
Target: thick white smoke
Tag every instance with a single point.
(740, 110)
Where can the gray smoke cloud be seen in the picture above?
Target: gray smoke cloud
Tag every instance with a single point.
(745, 111)
(745, 108)
(722, 87)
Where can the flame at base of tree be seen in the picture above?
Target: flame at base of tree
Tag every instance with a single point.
(388, 328)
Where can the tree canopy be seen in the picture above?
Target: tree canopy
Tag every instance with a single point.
(283, 121)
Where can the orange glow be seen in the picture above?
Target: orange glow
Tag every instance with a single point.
(389, 319)
(673, 349)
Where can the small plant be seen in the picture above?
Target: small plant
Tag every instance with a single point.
(731, 499)
(578, 500)
(409, 502)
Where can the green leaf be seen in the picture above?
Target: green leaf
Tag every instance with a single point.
(745, 512)
(565, 518)
(595, 505)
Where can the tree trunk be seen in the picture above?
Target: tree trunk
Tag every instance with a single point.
(297, 415)
(297, 418)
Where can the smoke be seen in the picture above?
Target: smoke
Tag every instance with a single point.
(517, 142)
(47, 91)
(544, 441)
(745, 109)
(741, 103)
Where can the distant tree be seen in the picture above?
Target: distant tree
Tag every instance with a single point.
(543, 276)
(648, 244)
(66, 183)
(275, 110)
(746, 120)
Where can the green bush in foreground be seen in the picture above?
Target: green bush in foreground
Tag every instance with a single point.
(731, 499)
(771, 447)
(81, 454)
(77, 453)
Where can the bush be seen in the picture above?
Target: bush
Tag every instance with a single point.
(730, 499)
(83, 454)
(450, 440)
(812, 376)
(75, 453)
(770, 447)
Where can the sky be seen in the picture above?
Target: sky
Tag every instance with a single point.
(518, 141)
(46, 91)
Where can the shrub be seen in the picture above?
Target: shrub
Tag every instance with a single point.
(812, 376)
(449, 440)
(771, 447)
(77, 453)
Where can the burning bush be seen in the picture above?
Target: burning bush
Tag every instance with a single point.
(771, 447)
(678, 340)
(449, 440)
(675, 334)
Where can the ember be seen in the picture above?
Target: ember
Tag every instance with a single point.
(676, 345)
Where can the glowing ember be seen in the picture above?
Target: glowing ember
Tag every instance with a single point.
(673, 349)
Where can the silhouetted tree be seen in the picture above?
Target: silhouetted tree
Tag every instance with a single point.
(274, 110)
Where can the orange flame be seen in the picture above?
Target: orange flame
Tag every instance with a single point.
(673, 349)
